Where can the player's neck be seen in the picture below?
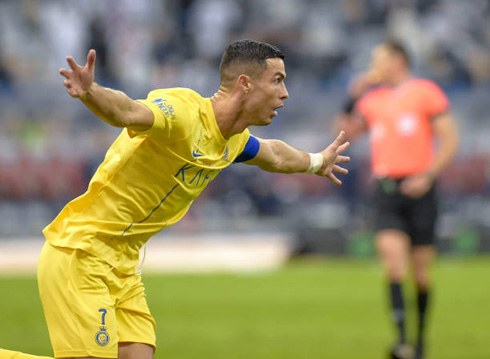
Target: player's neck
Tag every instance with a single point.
(226, 111)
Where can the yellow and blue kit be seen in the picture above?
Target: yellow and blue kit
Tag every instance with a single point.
(148, 180)
(90, 290)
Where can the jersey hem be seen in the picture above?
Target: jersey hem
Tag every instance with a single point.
(84, 353)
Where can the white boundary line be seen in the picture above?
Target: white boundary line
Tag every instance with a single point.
(233, 252)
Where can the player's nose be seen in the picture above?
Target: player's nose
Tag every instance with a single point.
(284, 93)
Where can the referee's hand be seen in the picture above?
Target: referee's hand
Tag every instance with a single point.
(78, 79)
(417, 185)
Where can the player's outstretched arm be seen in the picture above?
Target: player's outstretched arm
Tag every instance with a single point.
(114, 107)
(278, 156)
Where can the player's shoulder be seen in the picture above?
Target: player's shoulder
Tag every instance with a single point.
(179, 100)
(180, 93)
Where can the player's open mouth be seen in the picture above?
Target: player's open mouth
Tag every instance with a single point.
(275, 110)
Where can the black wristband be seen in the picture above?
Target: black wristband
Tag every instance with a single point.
(349, 105)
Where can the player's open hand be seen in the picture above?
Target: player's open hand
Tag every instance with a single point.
(78, 79)
(332, 156)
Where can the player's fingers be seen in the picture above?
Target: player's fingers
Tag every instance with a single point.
(73, 92)
(342, 147)
(66, 83)
(340, 170)
(339, 140)
(64, 72)
(91, 59)
(334, 179)
(71, 62)
(342, 159)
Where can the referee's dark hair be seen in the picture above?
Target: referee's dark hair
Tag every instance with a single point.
(398, 48)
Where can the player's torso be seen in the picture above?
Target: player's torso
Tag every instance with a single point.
(147, 181)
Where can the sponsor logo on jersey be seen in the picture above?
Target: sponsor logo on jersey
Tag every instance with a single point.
(165, 107)
(195, 154)
(196, 176)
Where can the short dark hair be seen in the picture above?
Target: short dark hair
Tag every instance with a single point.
(398, 48)
(245, 55)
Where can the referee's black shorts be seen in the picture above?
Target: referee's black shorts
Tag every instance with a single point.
(393, 210)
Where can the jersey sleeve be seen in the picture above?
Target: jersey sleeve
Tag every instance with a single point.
(169, 113)
(249, 151)
(434, 99)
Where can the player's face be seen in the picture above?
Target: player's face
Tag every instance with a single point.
(267, 93)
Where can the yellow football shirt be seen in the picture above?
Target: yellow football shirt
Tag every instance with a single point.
(148, 180)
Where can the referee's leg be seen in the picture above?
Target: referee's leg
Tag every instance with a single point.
(393, 246)
(422, 259)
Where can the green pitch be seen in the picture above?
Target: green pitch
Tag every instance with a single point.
(309, 309)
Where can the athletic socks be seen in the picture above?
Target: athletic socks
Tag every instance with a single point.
(422, 301)
(398, 308)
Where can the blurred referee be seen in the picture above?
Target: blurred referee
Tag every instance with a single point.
(403, 116)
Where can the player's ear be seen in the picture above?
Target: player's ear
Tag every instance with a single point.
(244, 83)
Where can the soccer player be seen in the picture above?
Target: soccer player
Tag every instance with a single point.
(173, 144)
(403, 116)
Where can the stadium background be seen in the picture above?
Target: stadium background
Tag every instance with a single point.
(50, 144)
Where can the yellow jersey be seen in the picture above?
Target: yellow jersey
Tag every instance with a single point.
(148, 179)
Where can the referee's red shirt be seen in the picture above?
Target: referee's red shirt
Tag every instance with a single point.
(400, 129)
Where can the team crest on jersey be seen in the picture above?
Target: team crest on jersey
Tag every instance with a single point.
(407, 124)
(102, 337)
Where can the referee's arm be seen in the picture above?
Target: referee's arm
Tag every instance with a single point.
(446, 132)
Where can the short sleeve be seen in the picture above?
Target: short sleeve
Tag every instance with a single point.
(434, 99)
(361, 107)
(167, 110)
(365, 107)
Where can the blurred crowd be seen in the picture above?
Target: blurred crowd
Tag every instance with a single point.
(50, 144)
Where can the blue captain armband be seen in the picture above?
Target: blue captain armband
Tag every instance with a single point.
(250, 151)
